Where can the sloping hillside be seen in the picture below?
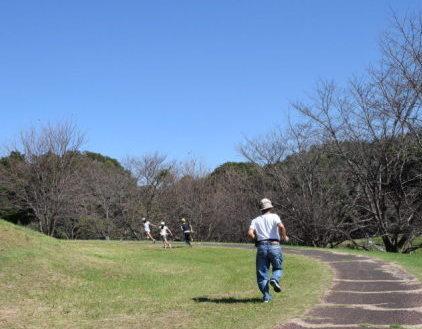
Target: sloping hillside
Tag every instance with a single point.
(13, 236)
(48, 283)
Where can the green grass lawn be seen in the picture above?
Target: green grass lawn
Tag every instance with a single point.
(47, 283)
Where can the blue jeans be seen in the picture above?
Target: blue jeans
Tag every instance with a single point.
(268, 254)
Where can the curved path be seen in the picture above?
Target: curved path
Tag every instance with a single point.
(366, 293)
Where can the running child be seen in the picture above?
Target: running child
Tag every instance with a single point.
(147, 229)
(187, 230)
(164, 231)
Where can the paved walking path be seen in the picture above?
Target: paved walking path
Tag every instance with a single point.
(366, 293)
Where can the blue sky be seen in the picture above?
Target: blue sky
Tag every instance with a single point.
(185, 78)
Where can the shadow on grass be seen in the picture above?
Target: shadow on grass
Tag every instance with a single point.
(172, 247)
(227, 300)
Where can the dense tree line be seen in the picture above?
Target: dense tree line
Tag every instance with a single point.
(85, 195)
(352, 169)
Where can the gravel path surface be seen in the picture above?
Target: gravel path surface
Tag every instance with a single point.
(366, 293)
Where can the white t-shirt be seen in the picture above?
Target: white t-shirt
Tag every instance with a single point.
(266, 226)
(163, 231)
(146, 226)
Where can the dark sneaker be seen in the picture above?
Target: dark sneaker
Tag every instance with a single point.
(276, 286)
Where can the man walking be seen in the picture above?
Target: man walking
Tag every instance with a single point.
(266, 230)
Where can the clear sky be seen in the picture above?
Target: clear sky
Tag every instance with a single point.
(185, 78)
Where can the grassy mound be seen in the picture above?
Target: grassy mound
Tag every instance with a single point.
(47, 283)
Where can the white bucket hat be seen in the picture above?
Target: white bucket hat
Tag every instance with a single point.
(162, 223)
(183, 220)
(266, 204)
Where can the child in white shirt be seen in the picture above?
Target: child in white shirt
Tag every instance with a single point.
(164, 231)
(147, 229)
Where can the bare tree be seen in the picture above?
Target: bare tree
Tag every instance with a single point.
(368, 129)
(106, 193)
(153, 174)
(44, 179)
(305, 183)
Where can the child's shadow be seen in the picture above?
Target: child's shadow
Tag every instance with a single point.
(226, 300)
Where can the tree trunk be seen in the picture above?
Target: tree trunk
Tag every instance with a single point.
(389, 246)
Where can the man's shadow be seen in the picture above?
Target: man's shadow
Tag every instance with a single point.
(227, 300)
